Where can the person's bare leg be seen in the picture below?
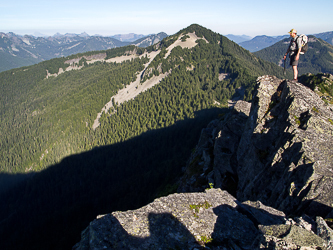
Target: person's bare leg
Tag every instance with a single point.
(295, 72)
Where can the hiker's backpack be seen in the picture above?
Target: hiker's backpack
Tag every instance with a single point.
(304, 42)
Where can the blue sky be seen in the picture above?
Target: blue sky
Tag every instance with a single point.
(108, 18)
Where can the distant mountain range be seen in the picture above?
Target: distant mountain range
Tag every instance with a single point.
(17, 51)
(326, 36)
(238, 39)
(261, 42)
(131, 37)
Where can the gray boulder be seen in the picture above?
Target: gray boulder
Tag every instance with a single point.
(178, 221)
(210, 220)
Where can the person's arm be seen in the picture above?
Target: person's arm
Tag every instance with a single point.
(285, 55)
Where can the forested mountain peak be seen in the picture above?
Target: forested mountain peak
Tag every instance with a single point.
(81, 87)
(146, 78)
(53, 159)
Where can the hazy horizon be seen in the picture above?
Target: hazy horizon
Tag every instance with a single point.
(39, 34)
(109, 18)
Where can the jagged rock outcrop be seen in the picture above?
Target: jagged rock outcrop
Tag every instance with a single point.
(210, 220)
(217, 147)
(280, 154)
(285, 154)
(272, 158)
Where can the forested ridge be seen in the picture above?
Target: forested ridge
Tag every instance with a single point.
(56, 114)
(44, 113)
(135, 154)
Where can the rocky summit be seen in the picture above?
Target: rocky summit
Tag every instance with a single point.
(261, 177)
(277, 150)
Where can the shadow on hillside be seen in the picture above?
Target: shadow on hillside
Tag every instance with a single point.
(50, 209)
(8, 181)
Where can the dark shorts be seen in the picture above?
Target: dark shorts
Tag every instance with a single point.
(293, 62)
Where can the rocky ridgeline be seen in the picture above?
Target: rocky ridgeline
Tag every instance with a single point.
(277, 150)
(273, 161)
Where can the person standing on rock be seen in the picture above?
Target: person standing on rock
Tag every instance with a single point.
(294, 50)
